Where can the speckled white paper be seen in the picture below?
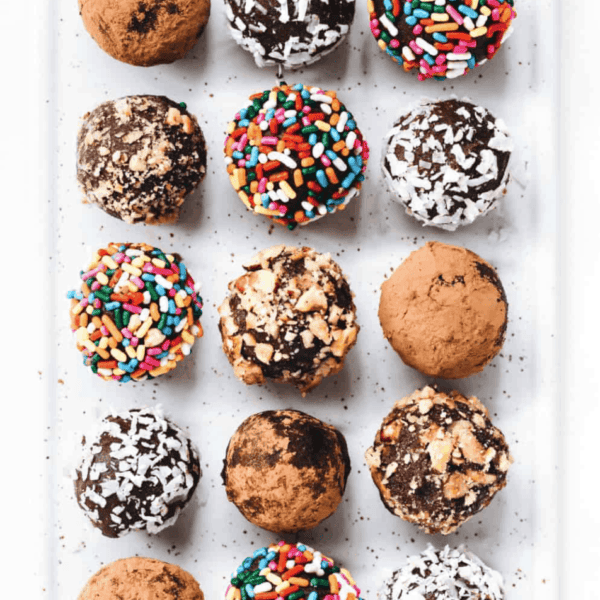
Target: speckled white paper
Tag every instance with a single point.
(516, 534)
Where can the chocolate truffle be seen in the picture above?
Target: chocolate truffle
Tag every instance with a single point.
(448, 574)
(289, 318)
(446, 162)
(285, 470)
(438, 460)
(317, 576)
(134, 578)
(145, 32)
(441, 40)
(139, 157)
(295, 154)
(292, 34)
(138, 471)
(444, 311)
(136, 313)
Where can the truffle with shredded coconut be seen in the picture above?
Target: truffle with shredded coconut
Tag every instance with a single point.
(447, 162)
(138, 471)
(447, 574)
(292, 34)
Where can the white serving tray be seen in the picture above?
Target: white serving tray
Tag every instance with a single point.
(519, 533)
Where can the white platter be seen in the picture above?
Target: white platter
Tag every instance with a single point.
(518, 533)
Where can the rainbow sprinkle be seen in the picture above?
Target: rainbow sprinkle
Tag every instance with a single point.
(443, 39)
(290, 572)
(136, 314)
(295, 154)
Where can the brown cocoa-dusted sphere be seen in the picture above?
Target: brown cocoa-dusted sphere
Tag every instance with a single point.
(145, 32)
(135, 578)
(437, 459)
(285, 470)
(444, 311)
(138, 157)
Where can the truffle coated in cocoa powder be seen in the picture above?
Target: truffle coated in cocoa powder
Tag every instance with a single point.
(437, 459)
(135, 578)
(138, 157)
(145, 32)
(444, 311)
(285, 470)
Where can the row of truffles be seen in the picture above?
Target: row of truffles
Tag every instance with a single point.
(302, 573)
(437, 460)
(441, 40)
(290, 318)
(293, 154)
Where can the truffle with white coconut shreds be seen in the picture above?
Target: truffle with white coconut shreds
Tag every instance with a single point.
(447, 162)
(448, 574)
(137, 472)
(292, 34)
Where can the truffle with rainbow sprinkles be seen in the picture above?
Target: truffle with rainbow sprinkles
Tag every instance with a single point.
(295, 154)
(442, 39)
(285, 571)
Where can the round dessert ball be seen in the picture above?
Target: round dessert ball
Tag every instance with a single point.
(135, 577)
(437, 460)
(138, 471)
(315, 575)
(145, 33)
(295, 154)
(443, 39)
(447, 162)
(136, 314)
(138, 157)
(292, 34)
(285, 470)
(444, 311)
(447, 574)
(290, 318)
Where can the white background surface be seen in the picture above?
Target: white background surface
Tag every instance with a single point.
(572, 542)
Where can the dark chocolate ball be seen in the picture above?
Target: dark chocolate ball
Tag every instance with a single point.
(290, 318)
(292, 34)
(285, 470)
(138, 471)
(438, 460)
(447, 162)
(138, 157)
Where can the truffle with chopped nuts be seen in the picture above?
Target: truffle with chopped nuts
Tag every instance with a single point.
(138, 471)
(138, 157)
(292, 34)
(444, 311)
(291, 318)
(145, 32)
(285, 470)
(437, 459)
(135, 577)
(447, 574)
(447, 162)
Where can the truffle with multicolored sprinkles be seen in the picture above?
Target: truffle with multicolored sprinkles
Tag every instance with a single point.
(138, 471)
(443, 39)
(286, 471)
(136, 313)
(290, 318)
(438, 460)
(138, 158)
(292, 34)
(293, 572)
(447, 161)
(447, 574)
(295, 154)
